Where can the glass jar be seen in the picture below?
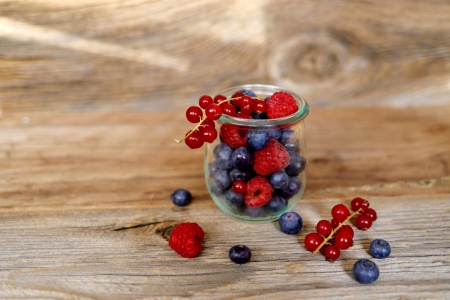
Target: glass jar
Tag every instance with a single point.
(224, 164)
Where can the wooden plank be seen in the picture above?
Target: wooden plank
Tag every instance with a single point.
(91, 55)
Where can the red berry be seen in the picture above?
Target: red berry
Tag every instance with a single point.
(259, 107)
(324, 227)
(358, 203)
(343, 240)
(204, 101)
(209, 134)
(347, 229)
(195, 140)
(363, 222)
(186, 239)
(239, 187)
(247, 110)
(371, 213)
(238, 96)
(219, 98)
(229, 109)
(281, 104)
(312, 241)
(207, 123)
(332, 252)
(272, 158)
(335, 223)
(213, 112)
(243, 116)
(259, 192)
(233, 136)
(340, 212)
(194, 114)
(246, 101)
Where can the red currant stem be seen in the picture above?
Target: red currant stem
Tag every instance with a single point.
(231, 99)
(192, 131)
(330, 236)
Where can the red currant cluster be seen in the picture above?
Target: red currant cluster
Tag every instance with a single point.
(239, 105)
(331, 237)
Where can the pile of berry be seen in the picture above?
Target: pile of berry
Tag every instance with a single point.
(244, 104)
(332, 237)
(256, 170)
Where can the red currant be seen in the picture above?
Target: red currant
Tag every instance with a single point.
(243, 116)
(363, 222)
(371, 213)
(195, 140)
(238, 96)
(343, 240)
(247, 110)
(219, 98)
(229, 109)
(246, 101)
(194, 114)
(332, 252)
(209, 134)
(313, 241)
(335, 223)
(239, 187)
(347, 229)
(204, 101)
(340, 212)
(260, 107)
(324, 228)
(358, 203)
(207, 123)
(213, 112)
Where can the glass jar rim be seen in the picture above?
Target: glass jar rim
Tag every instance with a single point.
(300, 114)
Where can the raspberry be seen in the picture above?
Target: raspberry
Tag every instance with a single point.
(232, 136)
(272, 158)
(281, 104)
(259, 192)
(186, 239)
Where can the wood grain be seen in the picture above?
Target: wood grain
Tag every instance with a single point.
(106, 55)
(86, 209)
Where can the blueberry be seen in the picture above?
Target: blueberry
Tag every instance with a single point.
(234, 198)
(258, 116)
(287, 136)
(213, 167)
(275, 133)
(277, 203)
(255, 212)
(240, 254)
(242, 159)
(236, 174)
(279, 180)
(247, 93)
(380, 248)
(222, 153)
(292, 188)
(365, 271)
(181, 197)
(296, 165)
(258, 139)
(222, 179)
(292, 146)
(290, 222)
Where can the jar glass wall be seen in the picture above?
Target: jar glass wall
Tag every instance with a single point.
(275, 175)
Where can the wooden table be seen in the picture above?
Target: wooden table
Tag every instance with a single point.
(88, 162)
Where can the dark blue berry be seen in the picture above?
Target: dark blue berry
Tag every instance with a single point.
(292, 188)
(380, 248)
(222, 154)
(247, 93)
(256, 116)
(255, 212)
(258, 139)
(213, 167)
(222, 179)
(279, 180)
(292, 146)
(234, 198)
(181, 197)
(365, 271)
(287, 136)
(296, 165)
(236, 174)
(275, 133)
(240, 254)
(290, 222)
(277, 203)
(242, 159)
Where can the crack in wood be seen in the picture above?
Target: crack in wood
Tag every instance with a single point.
(136, 226)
